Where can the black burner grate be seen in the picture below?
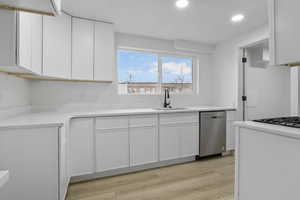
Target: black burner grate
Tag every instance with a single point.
(283, 121)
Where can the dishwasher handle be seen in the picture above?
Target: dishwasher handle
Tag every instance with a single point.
(217, 117)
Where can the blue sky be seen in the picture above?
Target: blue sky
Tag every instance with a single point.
(143, 67)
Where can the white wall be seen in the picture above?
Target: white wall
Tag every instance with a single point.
(295, 86)
(226, 64)
(66, 95)
(268, 92)
(14, 95)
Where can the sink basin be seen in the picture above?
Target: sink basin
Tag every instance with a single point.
(170, 109)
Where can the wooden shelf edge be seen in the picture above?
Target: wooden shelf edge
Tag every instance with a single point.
(26, 10)
(29, 76)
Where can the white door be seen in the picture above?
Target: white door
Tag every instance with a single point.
(169, 144)
(82, 146)
(112, 149)
(57, 46)
(143, 145)
(82, 49)
(189, 140)
(104, 59)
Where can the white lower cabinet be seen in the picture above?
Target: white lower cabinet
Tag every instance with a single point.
(118, 142)
(143, 136)
(33, 157)
(178, 136)
(189, 139)
(230, 129)
(169, 142)
(112, 143)
(112, 149)
(82, 146)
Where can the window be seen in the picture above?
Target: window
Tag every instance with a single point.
(177, 74)
(147, 73)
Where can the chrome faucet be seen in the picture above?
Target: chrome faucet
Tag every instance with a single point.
(167, 99)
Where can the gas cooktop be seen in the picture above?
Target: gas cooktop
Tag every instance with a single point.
(283, 121)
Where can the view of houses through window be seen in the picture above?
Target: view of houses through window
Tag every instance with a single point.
(148, 73)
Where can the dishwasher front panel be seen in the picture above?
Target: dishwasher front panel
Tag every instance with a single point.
(212, 133)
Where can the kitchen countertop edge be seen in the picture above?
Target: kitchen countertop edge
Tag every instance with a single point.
(270, 129)
(59, 119)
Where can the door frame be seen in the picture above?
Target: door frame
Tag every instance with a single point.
(242, 75)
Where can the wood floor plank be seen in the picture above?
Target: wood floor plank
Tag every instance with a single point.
(210, 179)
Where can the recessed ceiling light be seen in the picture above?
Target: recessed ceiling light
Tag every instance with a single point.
(237, 18)
(182, 3)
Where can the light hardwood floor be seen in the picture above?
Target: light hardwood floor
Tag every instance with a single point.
(210, 179)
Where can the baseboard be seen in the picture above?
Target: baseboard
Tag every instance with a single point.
(129, 170)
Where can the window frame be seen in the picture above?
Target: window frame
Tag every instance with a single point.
(160, 55)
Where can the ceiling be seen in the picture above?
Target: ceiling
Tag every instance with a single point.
(203, 21)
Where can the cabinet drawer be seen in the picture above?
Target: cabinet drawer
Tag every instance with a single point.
(112, 122)
(179, 118)
(143, 120)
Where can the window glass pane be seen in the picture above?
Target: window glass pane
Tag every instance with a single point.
(137, 72)
(177, 74)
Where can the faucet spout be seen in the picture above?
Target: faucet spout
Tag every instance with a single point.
(167, 101)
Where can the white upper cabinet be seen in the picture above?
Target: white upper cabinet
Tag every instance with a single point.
(92, 50)
(57, 46)
(285, 40)
(24, 40)
(104, 52)
(49, 7)
(82, 49)
(21, 42)
(36, 43)
(30, 41)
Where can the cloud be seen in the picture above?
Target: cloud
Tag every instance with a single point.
(154, 68)
(177, 68)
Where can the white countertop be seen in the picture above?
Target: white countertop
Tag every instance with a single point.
(271, 129)
(49, 119)
(4, 177)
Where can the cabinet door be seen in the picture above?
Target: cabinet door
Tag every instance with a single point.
(82, 146)
(36, 43)
(63, 162)
(31, 156)
(143, 145)
(30, 41)
(169, 144)
(24, 40)
(57, 46)
(112, 149)
(8, 38)
(189, 140)
(285, 31)
(104, 52)
(82, 49)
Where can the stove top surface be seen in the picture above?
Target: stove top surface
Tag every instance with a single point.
(283, 121)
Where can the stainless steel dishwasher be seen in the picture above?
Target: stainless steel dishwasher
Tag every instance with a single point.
(212, 133)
